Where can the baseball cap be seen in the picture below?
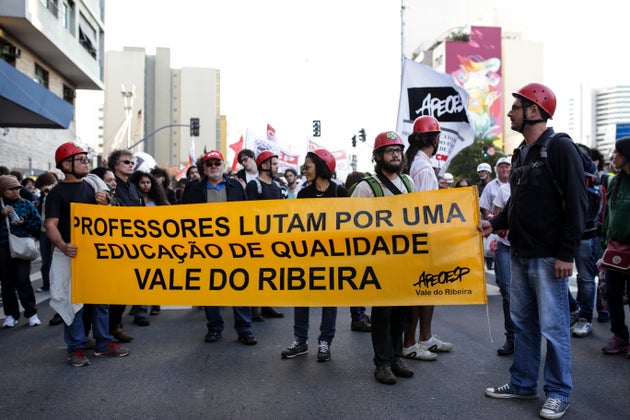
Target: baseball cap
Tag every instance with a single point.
(212, 154)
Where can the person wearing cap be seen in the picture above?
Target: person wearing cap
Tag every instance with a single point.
(484, 170)
(502, 169)
(72, 160)
(545, 217)
(446, 181)
(15, 273)
(423, 144)
(215, 187)
(616, 228)
(265, 187)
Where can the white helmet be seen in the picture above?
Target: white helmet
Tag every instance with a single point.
(484, 167)
(504, 159)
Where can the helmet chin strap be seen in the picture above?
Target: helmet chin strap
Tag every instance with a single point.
(73, 172)
(528, 122)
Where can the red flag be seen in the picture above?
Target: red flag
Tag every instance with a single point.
(182, 172)
(237, 147)
(271, 133)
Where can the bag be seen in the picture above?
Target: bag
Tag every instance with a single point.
(592, 184)
(617, 256)
(490, 245)
(21, 248)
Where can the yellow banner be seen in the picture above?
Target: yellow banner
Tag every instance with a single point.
(409, 249)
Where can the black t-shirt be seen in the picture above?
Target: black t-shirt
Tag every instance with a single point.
(333, 190)
(267, 191)
(59, 199)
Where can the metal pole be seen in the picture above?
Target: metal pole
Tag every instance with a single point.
(153, 133)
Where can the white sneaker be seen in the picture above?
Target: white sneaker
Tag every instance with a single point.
(34, 321)
(436, 345)
(418, 352)
(9, 322)
(582, 328)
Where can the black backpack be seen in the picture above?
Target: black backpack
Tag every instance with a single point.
(592, 184)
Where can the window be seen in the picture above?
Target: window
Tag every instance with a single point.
(68, 94)
(67, 15)
(41, 75)
(87, 36)
(51, 5)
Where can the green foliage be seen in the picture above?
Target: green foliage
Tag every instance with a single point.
(464, 165)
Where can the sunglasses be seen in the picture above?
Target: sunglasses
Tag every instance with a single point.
(82, 160)
(126, 162)
(211, 163)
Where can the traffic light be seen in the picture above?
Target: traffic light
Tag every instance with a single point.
(317, 128)
(194, 127)
(354, 141)
(362, 134)
(484, 152)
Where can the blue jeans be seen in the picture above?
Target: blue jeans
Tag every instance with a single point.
(357, 312)
(586, 272)
(540, 308)
(503, 276)
(74, 334)
(326, 327)
(242, 319)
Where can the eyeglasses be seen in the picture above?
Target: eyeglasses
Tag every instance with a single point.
(393, 150)
(83, 160)
(126, 162)
(211, 163)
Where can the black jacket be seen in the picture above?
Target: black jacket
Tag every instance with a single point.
(541, 223)
(195, 191)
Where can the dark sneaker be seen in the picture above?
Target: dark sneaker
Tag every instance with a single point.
(554, 408)
(323, 351)
(400, 368)
(362, 325)
(77, 358)
(603, 317)
(212, 337)
(112, 350)
(155, 310)
(384, 375)
(141, 321)
(55, 320)
(506, 391)
(295, 349)
(248, 339)
(507, 349)
(616, 345)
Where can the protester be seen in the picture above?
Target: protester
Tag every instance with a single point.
(546, 219)
(215, 187)
(446, 181)
(121, 162)
(293, 185)
(164, 180)
(484, 170)
(44, 183)
(249, 172)
(15, 273)
(72, 160)
(388, 322)
(617, 229)
(264, 187)
(319, 166)
(423, 143)
(462, 183)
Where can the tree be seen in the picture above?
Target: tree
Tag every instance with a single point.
(464, 165)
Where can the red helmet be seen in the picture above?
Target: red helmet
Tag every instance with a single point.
(539, 94)
(263, 156)
(327, 157)
(66, 150)
(426, 124)
(387, 138)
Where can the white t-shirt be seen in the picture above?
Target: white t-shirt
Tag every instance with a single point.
(422, 173)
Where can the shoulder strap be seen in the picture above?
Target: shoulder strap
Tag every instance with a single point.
(258, 185)
(408, 183)
(376, 187)
(389, 184)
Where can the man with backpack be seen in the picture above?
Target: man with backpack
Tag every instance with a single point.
(545, 217)
(388, 322)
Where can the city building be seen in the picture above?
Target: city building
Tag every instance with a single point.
(48, 50)
(490, 64)
(148, 106)
(611, 116)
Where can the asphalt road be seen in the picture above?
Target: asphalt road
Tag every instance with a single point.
(172, 373)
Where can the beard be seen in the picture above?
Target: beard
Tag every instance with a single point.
(391, 167)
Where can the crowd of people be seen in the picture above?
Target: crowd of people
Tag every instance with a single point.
(537, 208)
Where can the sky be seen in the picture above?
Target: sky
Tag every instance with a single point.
(287, 63)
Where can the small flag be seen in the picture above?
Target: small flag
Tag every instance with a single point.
(271, 133)
(237, 147)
